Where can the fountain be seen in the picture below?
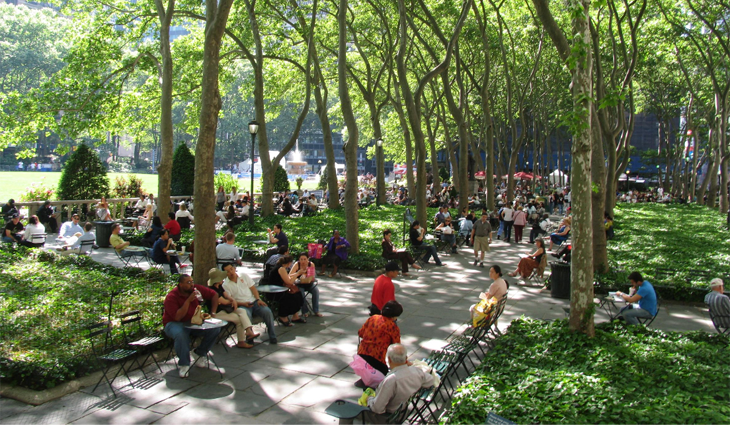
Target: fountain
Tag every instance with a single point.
(295, 165)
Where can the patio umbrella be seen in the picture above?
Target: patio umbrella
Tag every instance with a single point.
(523, 176)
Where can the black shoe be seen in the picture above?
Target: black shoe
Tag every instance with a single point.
(273, 341)
(475, 262)
(360, 384)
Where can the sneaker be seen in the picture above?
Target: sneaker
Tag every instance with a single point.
(481, 264)
(475, 262)
(182, 266)
(273, 341)
(183, 371)
(194, 359)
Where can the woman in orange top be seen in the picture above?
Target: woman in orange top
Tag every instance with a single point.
(378, 332)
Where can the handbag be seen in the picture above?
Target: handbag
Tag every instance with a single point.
(483, 311)
(197, 318)
(314, 250)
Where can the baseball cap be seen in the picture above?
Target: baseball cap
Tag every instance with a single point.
(716, 282)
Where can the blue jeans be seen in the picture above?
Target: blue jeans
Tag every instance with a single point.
(500, 231)
(631, 315)
(507, 229)
(451, 240)
(181, 335)
(264, 313)
(8, 240)
(430, 252)
(315, 298)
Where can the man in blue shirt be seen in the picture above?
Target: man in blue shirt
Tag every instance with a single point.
(646, 297)
(159, 251)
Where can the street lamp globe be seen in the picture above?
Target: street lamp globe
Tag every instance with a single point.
(379, 143)
(253, 127)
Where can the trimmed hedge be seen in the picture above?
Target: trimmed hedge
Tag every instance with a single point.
(541, 372)
(46, 300)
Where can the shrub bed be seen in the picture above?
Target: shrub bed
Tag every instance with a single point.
(680, 237)
(46, 300)
(540, 372)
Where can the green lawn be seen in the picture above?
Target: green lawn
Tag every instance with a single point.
(13, 183)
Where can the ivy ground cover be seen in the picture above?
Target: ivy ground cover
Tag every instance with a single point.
(47, 300)
(675, 236)
(540, 372)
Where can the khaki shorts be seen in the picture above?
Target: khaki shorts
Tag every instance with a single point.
(481, 243)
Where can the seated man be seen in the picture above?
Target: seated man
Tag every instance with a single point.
(159, 251)
(70, 228)
(447, 233)
(278, 237)
(119, 244)
(416, 236)
(9, 209)
(173, 227)
(646, 297)
(719, 303)
(336, 252)
(283, 250)
(73, 244)
(399, 385)
(227, 252)
(47, 216)
(13, 230)
(540, 228)
(140, 205)
(180, 305)
(384, 290)
(241, 288)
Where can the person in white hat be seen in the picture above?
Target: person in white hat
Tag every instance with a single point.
(718, 302)
(228, 310)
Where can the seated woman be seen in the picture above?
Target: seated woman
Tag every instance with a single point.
(390, 253)
(376, 335)
(102, 210)
(303, 273)
(153, 232)
(184, 213)
(608, 224)
(290, 302)
(286, 208)
(562, 234)
(146, 218)
(447, 233)
(531, 262)
(34, 227)
(232, 219)
(497, 289)
(228, 309)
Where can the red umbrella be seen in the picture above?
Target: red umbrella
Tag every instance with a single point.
(523, 176)
(401, 171)
(480, 175)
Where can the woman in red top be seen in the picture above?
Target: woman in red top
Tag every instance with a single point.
(376, 335)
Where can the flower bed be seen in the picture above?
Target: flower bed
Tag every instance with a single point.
(540, 372)
(46, 301)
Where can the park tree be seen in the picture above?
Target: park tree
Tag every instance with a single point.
(183, 171)
(83, 176)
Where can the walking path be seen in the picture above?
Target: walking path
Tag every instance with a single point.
(294, 381)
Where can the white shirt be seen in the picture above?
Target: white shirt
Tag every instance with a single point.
(32, 229)
(241, 290)
(183, 213)
(69, 229)
(221, 216)
(507, 214)
(140, 204)
(90, 236)
(234, 196)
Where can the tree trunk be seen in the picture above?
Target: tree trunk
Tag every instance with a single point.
(351, 183)
(410, 185)
(320, 96)
(210, 105)
(164, 176)
(598, 199)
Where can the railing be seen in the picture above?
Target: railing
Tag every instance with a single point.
(84, 207)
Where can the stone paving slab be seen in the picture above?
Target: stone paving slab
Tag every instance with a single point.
(294, 381)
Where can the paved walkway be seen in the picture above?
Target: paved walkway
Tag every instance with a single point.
(294, 381)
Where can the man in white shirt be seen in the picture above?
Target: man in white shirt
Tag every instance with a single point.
(70, 228)
(241, 288)
(141, 203)
(73, 244)
(227, 252)
(400, 384)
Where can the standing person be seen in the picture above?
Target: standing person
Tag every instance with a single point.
(234, 194)
(718, 303)
(336, 252)
(47, 216)
(508, 220)
(228, 309)
(220, 198)
(384, 290)
(481, 237)
(646, 297)
(390, 253)
(180, 305)
(416, 236)
(520, 220)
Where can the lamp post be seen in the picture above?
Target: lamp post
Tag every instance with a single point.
(380, 172)
(253, 128)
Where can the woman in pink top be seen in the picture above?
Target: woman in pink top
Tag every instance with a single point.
(520, 219)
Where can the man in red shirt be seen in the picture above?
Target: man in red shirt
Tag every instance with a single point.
(173, 227)
(180, 305)
(384, 290)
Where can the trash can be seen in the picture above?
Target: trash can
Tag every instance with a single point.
(103, 232)
(560, 280)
